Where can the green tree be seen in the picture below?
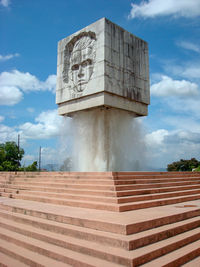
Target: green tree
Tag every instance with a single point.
(10, 156)
(32, 167)
(183, 165)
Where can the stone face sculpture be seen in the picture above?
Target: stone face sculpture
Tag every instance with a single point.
(79, 59)
(102, 65)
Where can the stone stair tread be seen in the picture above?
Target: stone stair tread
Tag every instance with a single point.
(102, 179)
(158, 185)
(175, 255)
(190, 187)
(101, 202)
(158, 200)
(194, 262)
(121, 197)
(70, 196)
(109, 204)
(114, 207)
(93, 191)
(90, 183)
(63, 182)
(116, 255)
(64, 200)
(63, 228)
(162, 194)
(69, 238)
(60, 188)
(105, 237)
(51, 251)
(32, 258)
(113, 199)
(104, 220)
(7, 261)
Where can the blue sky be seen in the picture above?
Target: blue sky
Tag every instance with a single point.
(29, 32)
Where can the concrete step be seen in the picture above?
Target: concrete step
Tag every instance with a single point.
(119, 200)
(20, 223)
(60, 248)
(155, 190)
(147, 173)
(6, 261)
(143, 204)
(105, 187)
(106, 238)
(105, 199)
(157, 196)
(65, 202)
(61, 185)
(156, 203)
(102, 180)
(156, 176)
(181, 257)
(52, 251)
(9, 189)
(120, 223)
(26, 257)
(98, 174)
(192, 263)
(156, 185)
(62, 190)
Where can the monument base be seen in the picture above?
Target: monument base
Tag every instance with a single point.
(100, 219)
(102, 100)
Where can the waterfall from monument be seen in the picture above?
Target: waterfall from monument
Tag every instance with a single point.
(106, 140)
(103, 85)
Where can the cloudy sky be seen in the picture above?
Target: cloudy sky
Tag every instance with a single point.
(29, 33)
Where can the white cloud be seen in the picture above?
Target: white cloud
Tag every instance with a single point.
(10, 95)
(5, 3)
(30, 110)
(177, 8)
(2, 118)
(13, 84)
(169, 87)
(47, 126)
(189, 46)
(7, 57)
(185, 123)
(164, 147)
(156, 137)
(7, 133)
(189, 70)
(186, 106)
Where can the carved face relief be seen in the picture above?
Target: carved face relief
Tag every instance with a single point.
(79, 62)
(81, 68)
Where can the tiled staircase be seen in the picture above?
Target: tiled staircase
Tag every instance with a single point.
(100, 219)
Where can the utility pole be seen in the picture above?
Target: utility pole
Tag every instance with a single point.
(18, 144)
(39, 159)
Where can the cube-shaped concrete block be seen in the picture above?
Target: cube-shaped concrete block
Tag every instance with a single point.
(102, 65)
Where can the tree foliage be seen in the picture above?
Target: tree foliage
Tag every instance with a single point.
(30, 168)
(183, 165)
(10, 156)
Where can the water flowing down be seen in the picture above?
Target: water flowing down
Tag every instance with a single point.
(106, 140)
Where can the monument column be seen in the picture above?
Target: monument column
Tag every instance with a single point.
(102, 83)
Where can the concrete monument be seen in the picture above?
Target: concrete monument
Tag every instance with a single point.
(102, 65)
(103, 84)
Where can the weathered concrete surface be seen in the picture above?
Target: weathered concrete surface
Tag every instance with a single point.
(102, 65)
